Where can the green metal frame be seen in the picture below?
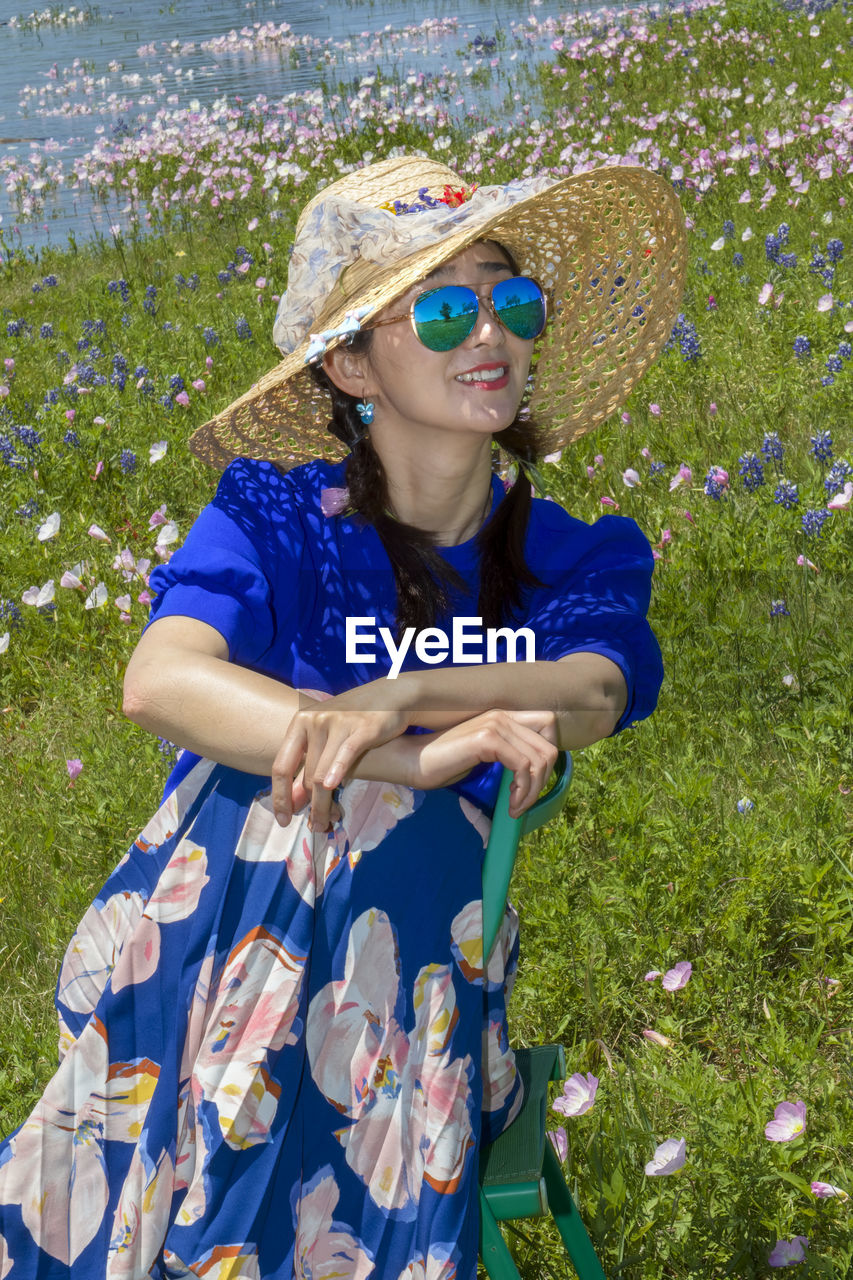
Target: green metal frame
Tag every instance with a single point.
(520, 1175)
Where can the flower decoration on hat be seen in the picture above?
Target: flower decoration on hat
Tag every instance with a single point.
(453, 197)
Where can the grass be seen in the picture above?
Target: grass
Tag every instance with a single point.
(653, 861)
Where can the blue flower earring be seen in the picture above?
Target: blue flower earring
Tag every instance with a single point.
(365, 412)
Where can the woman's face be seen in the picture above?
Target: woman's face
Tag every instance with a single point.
(413, 387)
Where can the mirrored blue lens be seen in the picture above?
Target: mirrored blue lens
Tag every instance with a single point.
(520, 305)
(444, 317)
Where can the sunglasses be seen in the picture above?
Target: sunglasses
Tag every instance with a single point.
(443, 318)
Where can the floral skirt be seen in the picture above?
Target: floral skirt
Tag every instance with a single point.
(278, 1049)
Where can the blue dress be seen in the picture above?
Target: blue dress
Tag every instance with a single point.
(280, 1050)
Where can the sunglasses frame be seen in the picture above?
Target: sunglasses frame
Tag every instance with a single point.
(483, 301)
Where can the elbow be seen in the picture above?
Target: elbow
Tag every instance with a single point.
(136, 697)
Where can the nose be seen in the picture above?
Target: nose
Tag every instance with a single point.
(488, 330)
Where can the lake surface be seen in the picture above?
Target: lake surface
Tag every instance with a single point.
(64, 86)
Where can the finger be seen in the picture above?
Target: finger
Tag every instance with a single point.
(319, 818)
(285, 767)
(340, 755)
(528, 783)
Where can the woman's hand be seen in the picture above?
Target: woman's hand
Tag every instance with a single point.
(323, 743)
(523, 741)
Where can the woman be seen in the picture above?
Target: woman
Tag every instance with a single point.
(280, 1047)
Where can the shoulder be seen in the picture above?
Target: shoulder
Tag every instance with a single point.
(553, 534)
(263, 488)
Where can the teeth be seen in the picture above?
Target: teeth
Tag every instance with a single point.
(482, 375)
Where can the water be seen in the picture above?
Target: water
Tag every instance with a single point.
(63, 87)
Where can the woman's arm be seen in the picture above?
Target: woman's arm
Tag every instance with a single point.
(180, 684)
(585, 691)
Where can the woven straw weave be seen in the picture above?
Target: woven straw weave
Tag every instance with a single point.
(608, 246)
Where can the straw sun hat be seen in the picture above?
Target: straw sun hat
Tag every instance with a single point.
(608, 247)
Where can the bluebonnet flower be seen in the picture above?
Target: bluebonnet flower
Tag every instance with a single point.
(820, 446)
(813, 522)
(818, 262)
(771, 247)
(752, 471)
(833, 364)
(783, 231)
(771, 446)
(127, 462)
(10, 455)
(839, 473)
(745, 805)
(834, 250)
(72, 439)
(51, 396)
(802, 346)
(93, 328)
(126, 320)
(779, 609)
(46, 331)
(144, 387)
(168, 327)
(50, 282)
(28, 510)
(737, 259)
(684, 332)
(787, 495)
(656, 468)
(167, 403)
(788, 260)
(141, 371)
(176, 383)
(242, 328)
(193, 281)
(716, 483)
(120, 287)
(223, 276)
(118, 377)
(180, 282)
(149, 303)
(728, 229)
(702, 267)
(168, 750)
(28, 437)
(36, 287)
(243, 255)
(62, 357)
(827, 380)
(845, 350)
(211, 337)
(10, 614)
(14, 328)
(83, 344)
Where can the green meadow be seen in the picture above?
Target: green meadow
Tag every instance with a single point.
(718, 831)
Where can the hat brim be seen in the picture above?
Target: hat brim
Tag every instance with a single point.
(609, 246)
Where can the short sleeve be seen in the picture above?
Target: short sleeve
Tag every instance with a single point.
(224, 572)
(598, 586)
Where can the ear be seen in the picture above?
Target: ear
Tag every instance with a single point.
(348, 370)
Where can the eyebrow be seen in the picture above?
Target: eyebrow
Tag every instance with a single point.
(491, 267)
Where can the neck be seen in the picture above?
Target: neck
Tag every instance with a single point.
(447, 494)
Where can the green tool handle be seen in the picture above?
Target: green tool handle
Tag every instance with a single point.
(499, 858)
